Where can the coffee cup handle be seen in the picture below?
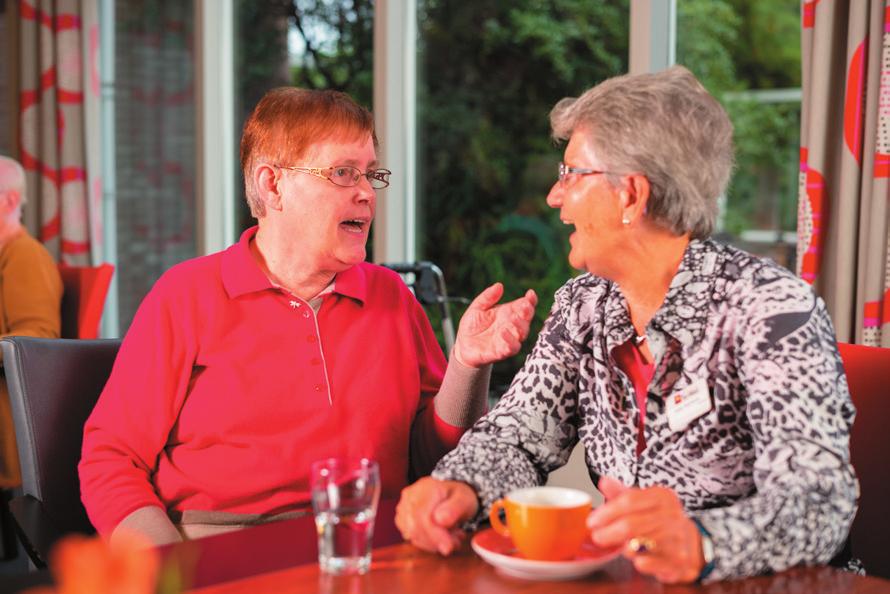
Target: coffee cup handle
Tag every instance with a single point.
(495, 516)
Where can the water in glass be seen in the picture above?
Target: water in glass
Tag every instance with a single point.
(344, 498)
(344, 539)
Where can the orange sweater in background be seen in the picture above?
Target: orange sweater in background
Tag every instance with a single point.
(30, 305)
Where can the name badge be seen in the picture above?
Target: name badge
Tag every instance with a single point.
(688, 404)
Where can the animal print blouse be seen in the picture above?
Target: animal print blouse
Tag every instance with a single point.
(766, 470)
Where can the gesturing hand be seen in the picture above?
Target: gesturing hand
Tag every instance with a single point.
(658, 536)
(430, 510)
(489, 331)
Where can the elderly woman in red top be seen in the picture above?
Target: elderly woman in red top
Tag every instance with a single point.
(243, 367)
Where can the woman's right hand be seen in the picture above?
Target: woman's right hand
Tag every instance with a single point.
(490, 331)
(430, 511)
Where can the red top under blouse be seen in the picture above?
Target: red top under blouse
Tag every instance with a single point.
(631, 361)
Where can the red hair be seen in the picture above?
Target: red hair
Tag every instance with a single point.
(288, 121)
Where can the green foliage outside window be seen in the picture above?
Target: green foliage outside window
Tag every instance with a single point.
(489, 72)
(734, 47)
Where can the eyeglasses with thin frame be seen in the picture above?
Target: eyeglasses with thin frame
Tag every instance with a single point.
(345, 175)
(565, 171)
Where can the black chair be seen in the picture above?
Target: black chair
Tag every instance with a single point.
(53, 386)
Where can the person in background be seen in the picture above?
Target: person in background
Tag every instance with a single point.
(243, 367)
(30, 297)
(703, 383)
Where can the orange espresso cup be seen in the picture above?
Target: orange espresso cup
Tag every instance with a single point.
(544, 523)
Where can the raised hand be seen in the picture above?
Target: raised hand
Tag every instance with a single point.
(430, 510)
(489, 331)
(657, 535)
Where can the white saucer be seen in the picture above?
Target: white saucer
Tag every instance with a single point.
(499, 552)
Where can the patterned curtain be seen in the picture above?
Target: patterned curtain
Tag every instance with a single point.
(59, 133)
(843, 231)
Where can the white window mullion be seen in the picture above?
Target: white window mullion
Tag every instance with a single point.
(653, 35)
(110, 325)
(215, 78)
(395, 98)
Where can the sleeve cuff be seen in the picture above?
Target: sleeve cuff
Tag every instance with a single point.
(463, 395)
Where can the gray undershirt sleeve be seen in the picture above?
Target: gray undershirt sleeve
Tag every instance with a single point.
(463, 395)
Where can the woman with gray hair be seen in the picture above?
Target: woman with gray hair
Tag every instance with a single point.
(703, 383)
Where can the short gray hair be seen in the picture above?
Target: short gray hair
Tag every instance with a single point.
(666, 126)
(12, 177)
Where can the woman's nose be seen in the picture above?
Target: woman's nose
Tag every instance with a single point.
(365, 192)
(554, 198)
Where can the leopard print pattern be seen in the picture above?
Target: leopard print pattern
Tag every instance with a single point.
(766, 470)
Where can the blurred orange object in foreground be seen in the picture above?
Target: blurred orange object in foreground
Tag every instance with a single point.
(88, 565)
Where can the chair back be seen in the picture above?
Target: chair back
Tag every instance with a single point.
(53, 386)
(84, 298)
(868, 376)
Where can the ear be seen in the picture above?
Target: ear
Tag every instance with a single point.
(634, 197)
(9, 200)
(265, 179)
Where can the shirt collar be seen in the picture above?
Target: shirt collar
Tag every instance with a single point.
(684, 312)
(353, 282)
(619, 328)
(241, 274)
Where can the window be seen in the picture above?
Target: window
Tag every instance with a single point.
(154, 144)
(315, 44)
(747, 53)
(489, 73)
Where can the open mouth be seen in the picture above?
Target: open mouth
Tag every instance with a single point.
(571, 224)
(355, 225)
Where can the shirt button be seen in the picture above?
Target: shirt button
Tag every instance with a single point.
(318, 387)
(306, 314)
(315, 361)
(311, 338)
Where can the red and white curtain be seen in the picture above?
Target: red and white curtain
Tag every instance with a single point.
(844, 197)
(59, 134)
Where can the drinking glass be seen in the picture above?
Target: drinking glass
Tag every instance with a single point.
(344, 498)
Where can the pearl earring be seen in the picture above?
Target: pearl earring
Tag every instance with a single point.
(626, 221)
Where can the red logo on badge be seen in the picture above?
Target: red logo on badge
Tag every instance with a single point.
(678, 399)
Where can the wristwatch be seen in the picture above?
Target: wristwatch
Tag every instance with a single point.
(707, 550)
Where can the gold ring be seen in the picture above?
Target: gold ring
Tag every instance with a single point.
(641, 544)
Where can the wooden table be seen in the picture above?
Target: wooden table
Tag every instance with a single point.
(282, 557)
(403, 568)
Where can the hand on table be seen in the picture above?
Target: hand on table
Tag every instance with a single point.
(655, 518)
(430, 510)
(489, 331)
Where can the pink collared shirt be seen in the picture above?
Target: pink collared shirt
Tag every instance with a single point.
(226, 389)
